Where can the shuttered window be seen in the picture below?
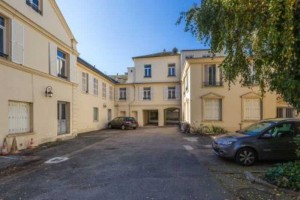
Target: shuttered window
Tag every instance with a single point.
(104, 90)
(213, 109)
(19, 117)
(252, 109)
(111, 96)
(95, 87)
(85, 81)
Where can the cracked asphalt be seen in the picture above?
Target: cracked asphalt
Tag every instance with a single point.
(150, 163)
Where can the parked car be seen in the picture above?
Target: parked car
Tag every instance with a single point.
(123, 123)
(271, 139)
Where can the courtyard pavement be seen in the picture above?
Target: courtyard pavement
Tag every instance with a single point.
(148, 163)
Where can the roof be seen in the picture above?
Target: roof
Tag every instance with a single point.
(195, 50)
(119, 78)
(91, 67)
(160, 54)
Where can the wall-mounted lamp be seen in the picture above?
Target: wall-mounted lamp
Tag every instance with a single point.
(104, 105)
(49, 92)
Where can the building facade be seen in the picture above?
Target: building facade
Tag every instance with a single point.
(49, 93)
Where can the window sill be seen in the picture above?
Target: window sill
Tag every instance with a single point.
(146, 99)
(216, 121)
(147, 76)
(19, 134)
(122, 99)
(250, 121)
(171, 76)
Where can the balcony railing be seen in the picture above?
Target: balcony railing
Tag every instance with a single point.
(212, 84)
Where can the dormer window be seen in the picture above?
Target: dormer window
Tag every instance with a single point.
(35, 4)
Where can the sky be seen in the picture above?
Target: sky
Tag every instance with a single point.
(111, 32)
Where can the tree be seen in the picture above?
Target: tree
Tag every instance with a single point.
(264, 34)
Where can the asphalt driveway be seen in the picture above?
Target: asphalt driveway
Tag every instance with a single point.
(156, 163)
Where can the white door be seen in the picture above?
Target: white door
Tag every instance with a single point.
(62, 118)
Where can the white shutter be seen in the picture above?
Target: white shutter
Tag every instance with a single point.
(177, 92)
(166, 93)
(72, 68)
(18, 117)
(141, 93)
(117, 94)
(206, 73)
(90, 84)
(252, 109)
(17, 42)
(128, 94)
(212, 109)
(53, 59)
(152, 93)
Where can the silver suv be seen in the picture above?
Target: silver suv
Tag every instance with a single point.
(271, 139)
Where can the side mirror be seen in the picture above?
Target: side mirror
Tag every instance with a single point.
(266, 136)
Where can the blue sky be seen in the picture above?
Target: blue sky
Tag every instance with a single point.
(111, 32)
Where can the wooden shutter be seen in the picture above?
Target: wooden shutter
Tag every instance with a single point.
(152, 93)
(165, 92)
(127, 93)
(53, 59)
(90, 84)
(177, 92)
(19, 117)
(206, 73)
(72, 68)
(17, 42)
(141, 93)
(117, 94)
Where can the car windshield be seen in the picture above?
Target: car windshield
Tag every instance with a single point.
(256, 129)
(130, 119)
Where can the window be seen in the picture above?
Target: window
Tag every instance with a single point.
(95, 87)
(123, 94)
(148, 72)
(171, 92)
(35, 4)
(96, 114)
(19, 117)
(283, 130)
(111, 97)
(85, 82)
(213, 109)
(3, 38)
(104, 90)
(61, 64)
(212, 76)
(286, 112)
(171, 70)
(147, 93)
(252, 109)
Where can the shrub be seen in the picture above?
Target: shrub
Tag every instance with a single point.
(285, 175)
(297, 141)
(216, 130)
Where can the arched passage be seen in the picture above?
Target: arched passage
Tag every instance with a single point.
(172, 116)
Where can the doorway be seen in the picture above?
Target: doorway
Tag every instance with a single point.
(63, 113)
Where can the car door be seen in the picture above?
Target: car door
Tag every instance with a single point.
(280, 145)
(120, 122)
(114, 122)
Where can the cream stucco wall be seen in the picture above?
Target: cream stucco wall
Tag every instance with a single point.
(232, 108)
(85, 102)
(159, 69)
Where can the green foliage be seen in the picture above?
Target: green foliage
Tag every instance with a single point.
(208, 130)
(286, 175)
(262, 34)
(297, 141)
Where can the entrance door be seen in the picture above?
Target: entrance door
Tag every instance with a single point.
(109, 115)
(153, 117)
(62, 124)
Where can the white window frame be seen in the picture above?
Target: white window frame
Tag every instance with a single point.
(19, 117)
(147, 93)
(148, 71)
(60, 62)
(34, 6)
(96, 88)
(171, 93)
(251, 113)
(122, 94)
(212, 109)
(104, 90)
(172, 70)
(85, 82)
(285, 113)
(4, 29)
(96, 114)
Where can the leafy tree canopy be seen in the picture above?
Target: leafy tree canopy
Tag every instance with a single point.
(264, 34)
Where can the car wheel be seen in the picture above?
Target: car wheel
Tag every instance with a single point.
(123, 127)
(134, 128)
(246, 156)
(109, 126)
